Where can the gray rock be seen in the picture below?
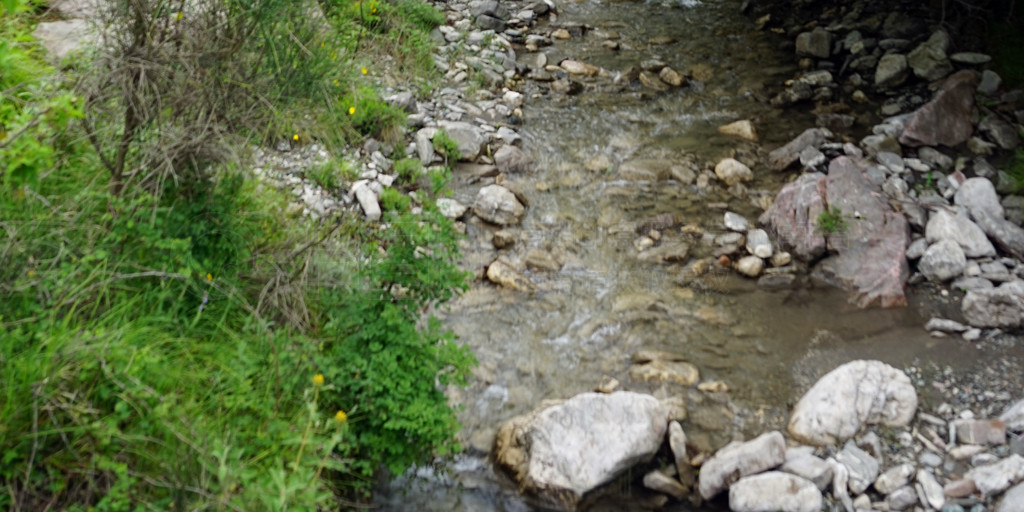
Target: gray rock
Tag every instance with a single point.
(916, 248)
(810, 467)
(649, 169)
(1005, 234)
(892, 70)
(750, 266)
(793, 217)
(490, 8)
(470, 138)
(677, 443)
(946, 119)
(935, 158)
(451, 208)
(367, 200)
(943, 261)
(61, 38)
(971, 283)
(871, 262)
(759, 244)
(1000, 132)
(817, 43)
(510, 159)
(1013, 500)
(990, 82)
(997, 477)
(929, 491)
(902, 498)
(944, 325)
(840, 483)
(742, 128)
(562, 451)
(503, 274)
(891, 161)
(405, 101)
(811, 157)
(736, 222)
(944, 225)
(739, 459)
(970, 58)
(853, 395)
(774, 491)
(732, 171)
(424, 146)
(1013, 416)
(980, 432)
(979, 194)
(498, 205)
(929, 60)
(1001, 307)
(862, 467)
(660, 482)
(874, 144)
(786, 155)
(894, 478)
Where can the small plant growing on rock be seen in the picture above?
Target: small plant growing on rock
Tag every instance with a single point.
(831, 221)
(408, 170)
(447, 146)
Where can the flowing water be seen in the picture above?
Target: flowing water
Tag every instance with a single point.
(585, 321)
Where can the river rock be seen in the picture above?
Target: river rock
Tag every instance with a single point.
(652, 81)
(671, 77)
(929, 490)
(732, 171)
(498, 205)
(929, 60)
(743, 129)
(1013, 416)
(575, 67)
(944, 225)
(793, 217)
(980, 432)
(783, 157)
(946, 119)
(505, 275)
(979, 194)
(775, 491)
(901, 499)
(664, 368)
(1005, 234)
(1013, 500)
(510, 159)
(894, 478)
(470, 138)
(759, 244)
(560, 452)
(736, 222)
(808, 466)
(997, 477)
(862, 467)
(990, 82)
(647, 169)
(942, 261)
(817, 43)
(658, 481)
(853, 395)
(871, 262)
(1000, 132)
(677, 443)
(1001, 307)
(892, 70)
(750, 266)
(739, 459)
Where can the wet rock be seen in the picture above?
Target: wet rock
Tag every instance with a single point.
(510, 159)
(1005, 234)
(875, 144)
(979, 194)
(980, 432)
(665, 370)
(736, 222)
(812, 468)
(1000, 132)
(675, 251)
(853, 395)
(817, 43)
(997, 477)
(759, 244)
(1001, 307)
(677, 443)
(750, 266)
(783, 157)
(671, 77)
(652, 81)
(871, 262)
(894, 478)
(862, 467)
(470, 138)
(732, 171)
(892, 70)
(946, 119)
(944, 225)
(451, 208)
(566, 86)
(944, 325)
(647, 170)
(777, 491)
(1013, 500)
(505, 275)
(542, 260)
(658, 481)
(575, 67)
(560, 452)
(1013, 416)
(498, 205)
(929, 490)
(835, 122)
(739, 459)
(743, 129)
(794, 215)
(929, 60)
(943, 261)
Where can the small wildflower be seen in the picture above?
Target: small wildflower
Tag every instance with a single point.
(363, 70)
(373, 10)
(351, 110)
(318, 380)
(295, 137)
(341, 417)
(31, 273)
(179, 16)
(209, 277)
(336, 83)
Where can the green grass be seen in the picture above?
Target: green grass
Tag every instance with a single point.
(831, 221)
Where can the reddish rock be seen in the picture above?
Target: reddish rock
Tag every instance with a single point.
(871, 261)
(783, 157)
(946, 119)
(960, 488)
(792, 218)
(980, 431)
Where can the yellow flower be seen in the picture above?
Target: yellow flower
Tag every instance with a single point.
(364, 70)
(337, 83)
(341, 417)
(318, 380)
(179, 16)
(351, 110)
(373, 11)
(209, 277)
(31, 273)
(295, 137)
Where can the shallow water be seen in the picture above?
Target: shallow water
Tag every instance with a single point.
(586, 320)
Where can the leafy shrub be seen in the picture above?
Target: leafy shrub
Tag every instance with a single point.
(372, 117)
(831, 221)
(393, 200)
(408, 170)
(447, 146)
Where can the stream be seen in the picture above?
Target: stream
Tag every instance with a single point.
(605, 303)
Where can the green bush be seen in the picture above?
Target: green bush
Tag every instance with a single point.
(408, 170)
(393, 200)
(372, 117)
(447, 146)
